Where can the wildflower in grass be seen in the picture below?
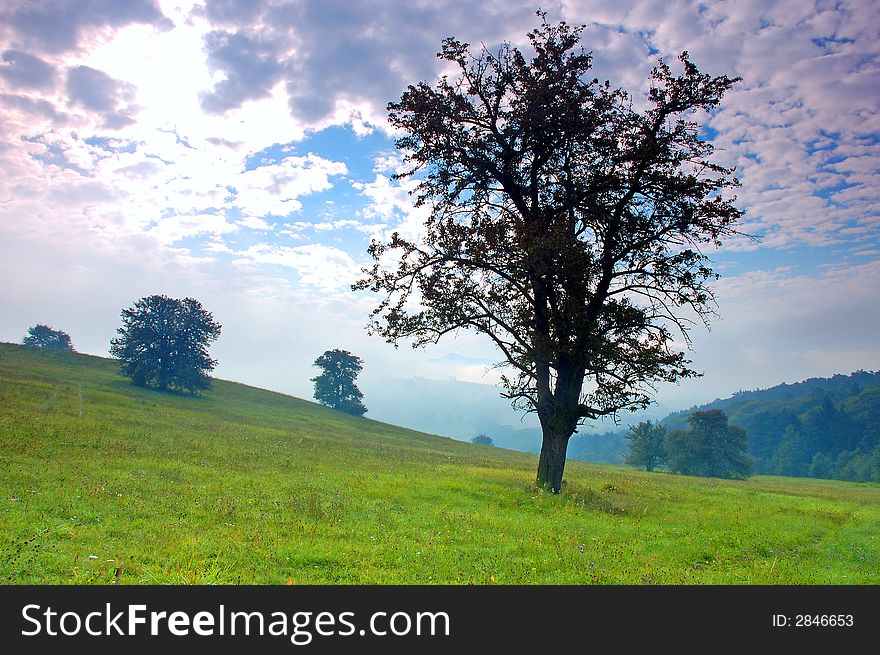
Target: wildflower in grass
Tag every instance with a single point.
(697, 565)
(581, 548)
(592, 564)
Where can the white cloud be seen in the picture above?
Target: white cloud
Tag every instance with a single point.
(176, 228)
(275, 189)
(779, 326)
(321, 267)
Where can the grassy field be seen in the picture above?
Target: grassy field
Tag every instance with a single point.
(102, 482)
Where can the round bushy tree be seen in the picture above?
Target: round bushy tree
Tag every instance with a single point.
(646, 445)
(335, 386)
(710, 447)
(42, 336)
(163, 343)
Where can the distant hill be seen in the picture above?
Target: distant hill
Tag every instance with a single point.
(462, 410)
(451, 408)
(821, 427)
(588, 445)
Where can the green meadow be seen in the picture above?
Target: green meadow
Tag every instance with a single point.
(104, 483)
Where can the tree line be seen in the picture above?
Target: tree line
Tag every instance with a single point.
(709, 447)
(821, 427)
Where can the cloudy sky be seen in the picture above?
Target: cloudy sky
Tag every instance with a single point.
(236, 151)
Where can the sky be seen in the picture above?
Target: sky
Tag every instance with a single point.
(237, 152)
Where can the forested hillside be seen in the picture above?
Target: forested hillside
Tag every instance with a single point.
(822, 427)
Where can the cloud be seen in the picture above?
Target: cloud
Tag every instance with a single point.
(321, 267)
(275, 189)
(340, 61)
(36, 108)
(250, 66)
(57, 26)
(174, 229)
(141, 170)
(779, 325)
(217, 141)
(231, 12)
(126, 142)
(25, 71)
(96, 91)
(391, 207)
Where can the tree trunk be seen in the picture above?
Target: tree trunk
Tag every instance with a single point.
(551, 464)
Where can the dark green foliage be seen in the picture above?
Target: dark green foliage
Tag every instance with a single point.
(646, 445)
(608, 447)
(565, 225)
(710, 447)
(822, 427)
(42, 336)
(482, 440)
(335, 387)
(163, 343)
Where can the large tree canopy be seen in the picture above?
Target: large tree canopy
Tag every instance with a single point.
(565, 225)
(42, 336)
(164, 343)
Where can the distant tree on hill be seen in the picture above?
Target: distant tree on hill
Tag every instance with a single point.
(163, 343)
(335, 387)
(710, 447)
(42, 336)
(646, 445)
(482, 440)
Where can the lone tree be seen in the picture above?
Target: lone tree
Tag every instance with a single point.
(646, 445)
(565, 225)
(42, 336)
(482, 440)
(335, 387)
(709, 447)
(163, 343)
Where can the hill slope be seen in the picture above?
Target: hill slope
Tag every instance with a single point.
(104, 482)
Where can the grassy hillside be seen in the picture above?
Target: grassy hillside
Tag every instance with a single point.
(103, 482)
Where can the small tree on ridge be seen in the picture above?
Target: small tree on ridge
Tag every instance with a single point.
(42, 336)
(335, 387)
